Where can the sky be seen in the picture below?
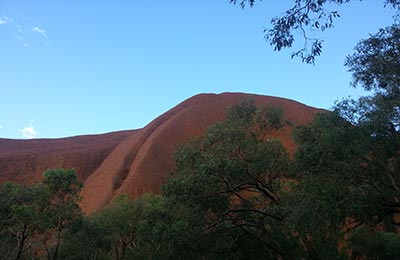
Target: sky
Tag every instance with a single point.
(73, 67)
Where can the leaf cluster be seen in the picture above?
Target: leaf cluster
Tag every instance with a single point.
(304, 18)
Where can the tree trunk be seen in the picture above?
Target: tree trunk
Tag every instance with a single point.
(388, 223)
(59, 230)
(21, 236)
(310, 248)
(116, 251)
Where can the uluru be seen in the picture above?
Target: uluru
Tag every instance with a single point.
(133, 162)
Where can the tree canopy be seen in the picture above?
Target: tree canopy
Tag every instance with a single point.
(304, 17)
(33, 217)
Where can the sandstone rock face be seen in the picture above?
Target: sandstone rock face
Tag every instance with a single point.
(133, 162)
(24, 161)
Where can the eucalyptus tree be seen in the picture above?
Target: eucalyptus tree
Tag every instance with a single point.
(305, 18)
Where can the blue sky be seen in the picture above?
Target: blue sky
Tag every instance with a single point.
(94, 66)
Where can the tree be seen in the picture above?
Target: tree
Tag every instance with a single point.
(164, 230)
(232, 179)
(344, 191)
(334, 184)
(20, 211)
(376, 67)
(62, 187)
(119, 222)
(366, 244)
(347, 162)
(33, 216)
(305, 16)
(85, 239)
(236, 182)
(149, 227)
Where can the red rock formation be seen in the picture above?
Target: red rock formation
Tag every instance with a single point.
(132, 162)
(24, 161)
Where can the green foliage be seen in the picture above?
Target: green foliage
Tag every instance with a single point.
(243, 3)
(146, 228)
(375, 65)
(120, 225)
(21, 208)
(356, 162)
(85, 239)
(63, 184)
(343, 173)
(347, 162)
(229, 178)
(305, 18)
(164, 231)
(63, 188)
(369, 245)
(30, 215)
(333, 183)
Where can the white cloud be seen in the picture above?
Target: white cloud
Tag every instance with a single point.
(6, 20)
(19, 29)
(1, 126)
(41, 31)
(29, 132)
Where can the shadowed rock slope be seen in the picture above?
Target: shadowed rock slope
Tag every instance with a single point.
(133, 162)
